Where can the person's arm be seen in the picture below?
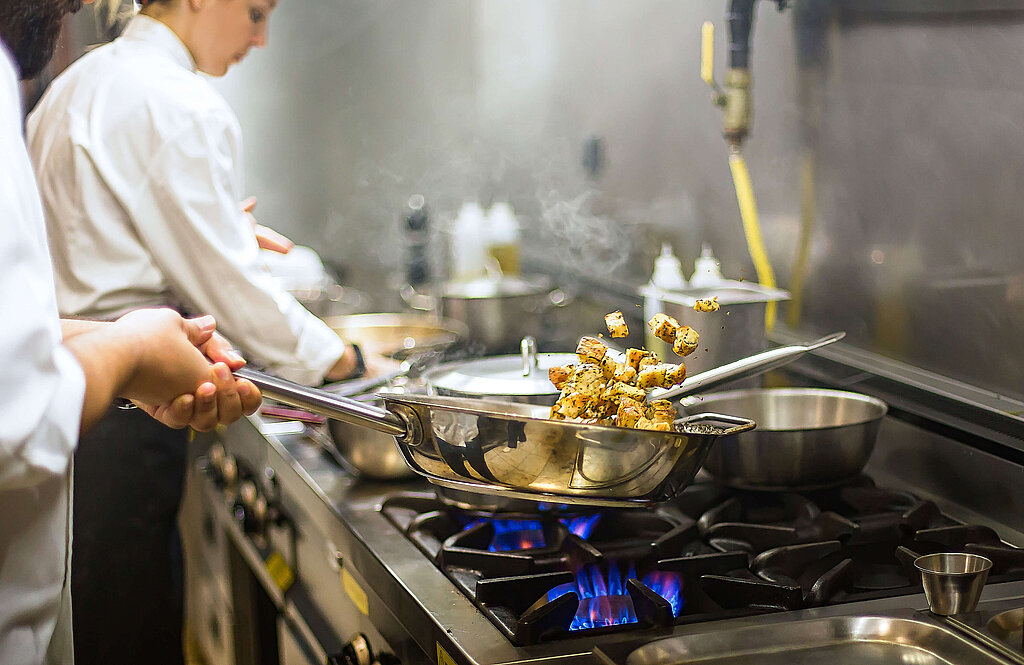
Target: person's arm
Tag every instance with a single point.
(221, 400)
(187, 214)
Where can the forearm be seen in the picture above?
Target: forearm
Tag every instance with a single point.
(107, 363)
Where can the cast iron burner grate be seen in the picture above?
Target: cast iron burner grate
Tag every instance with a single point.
(710, 554)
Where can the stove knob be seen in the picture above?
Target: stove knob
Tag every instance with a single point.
(222, 466)
(357, 651)
(250, 507)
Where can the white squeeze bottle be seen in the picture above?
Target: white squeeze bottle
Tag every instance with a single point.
(504, 240)
(469, 238)
(707, 270)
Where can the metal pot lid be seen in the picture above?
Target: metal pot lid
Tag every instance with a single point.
(487, 287)
(522, 375)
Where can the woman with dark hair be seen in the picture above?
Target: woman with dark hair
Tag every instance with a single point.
(139, 164)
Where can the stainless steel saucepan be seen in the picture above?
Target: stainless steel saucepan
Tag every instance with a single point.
(514, 450)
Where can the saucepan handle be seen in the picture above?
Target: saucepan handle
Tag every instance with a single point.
(325, 403)
(737, 424)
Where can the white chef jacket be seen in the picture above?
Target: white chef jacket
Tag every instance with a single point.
(42, 388)
(139, 160)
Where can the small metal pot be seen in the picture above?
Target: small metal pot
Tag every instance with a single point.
(805, 438)
(497, 313)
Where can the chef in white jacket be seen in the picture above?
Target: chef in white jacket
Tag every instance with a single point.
(56, 378)
(139, 162)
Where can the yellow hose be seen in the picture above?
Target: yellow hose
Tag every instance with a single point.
(752, 229)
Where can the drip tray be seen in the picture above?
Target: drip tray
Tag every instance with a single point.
(902, 637)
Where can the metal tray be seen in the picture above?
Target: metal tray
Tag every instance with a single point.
(902, 637)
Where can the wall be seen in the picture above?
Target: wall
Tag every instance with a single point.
(912, 112)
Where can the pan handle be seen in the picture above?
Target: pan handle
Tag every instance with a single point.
(744, 368)
(326, 404)
(738, 424)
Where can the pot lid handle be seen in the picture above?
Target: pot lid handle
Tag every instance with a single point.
(528, 347)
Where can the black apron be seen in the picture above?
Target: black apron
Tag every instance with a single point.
(126, 561)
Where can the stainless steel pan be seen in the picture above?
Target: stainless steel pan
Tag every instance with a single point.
(514, 450)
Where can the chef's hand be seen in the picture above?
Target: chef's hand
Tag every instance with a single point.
(220, 400)
(266, 237)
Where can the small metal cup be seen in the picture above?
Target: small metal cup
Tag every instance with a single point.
(953, 581)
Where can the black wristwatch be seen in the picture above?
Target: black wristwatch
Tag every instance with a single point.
(360, 370)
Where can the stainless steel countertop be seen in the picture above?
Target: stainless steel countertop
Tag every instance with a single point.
(406, 589)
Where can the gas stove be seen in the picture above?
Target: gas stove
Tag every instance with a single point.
(713, 553)
(359, 572)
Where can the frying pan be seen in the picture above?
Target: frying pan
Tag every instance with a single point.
(516, 451)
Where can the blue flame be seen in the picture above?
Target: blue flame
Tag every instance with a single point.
(667, 585)
(511, 535)
(605, 601)
(581, 526)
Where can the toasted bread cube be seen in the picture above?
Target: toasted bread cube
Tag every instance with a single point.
(556, 414)
(587, 379)
(686, 341)
(648, 361)
(608, 367)
(706, 305)
(628, 414)
(664, 327)
(675, 374)
(571, 404)
(592, 348)
(634, 356)
(559, 374)
(647, 423)
(616, 324)
(624, 373)
(651, 377)
(620, 389)
(663, 411)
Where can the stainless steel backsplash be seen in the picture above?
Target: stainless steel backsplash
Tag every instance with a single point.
(913, 113)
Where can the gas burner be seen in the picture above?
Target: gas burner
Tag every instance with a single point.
(712, 553)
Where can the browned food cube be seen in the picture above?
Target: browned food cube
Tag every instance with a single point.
(664, 327)
(624, 373)
(646, 423)
(616, 324)
(559, 374)
(608, 366)
(571, 404)
(592, 348)
(619, 389)
(706, 305)
(651, 377)
(686, 341)
(587, 379)
(675, 374)
(634, 356)
(629, 413)
(663, 406)
(648, 361)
